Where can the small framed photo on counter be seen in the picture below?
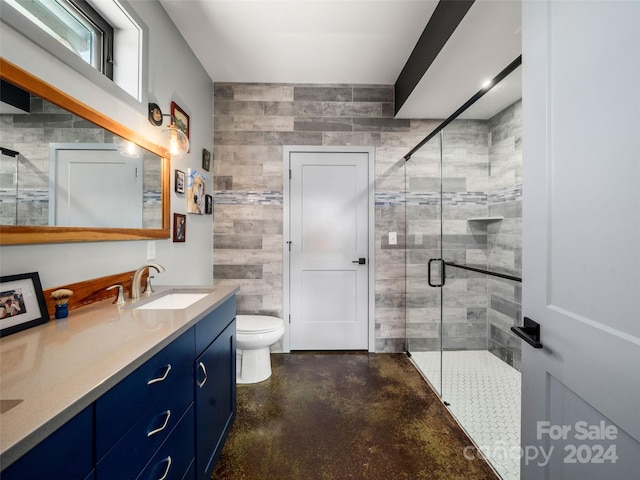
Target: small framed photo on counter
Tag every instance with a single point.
(22, 303)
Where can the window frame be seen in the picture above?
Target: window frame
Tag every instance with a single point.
(125, 20)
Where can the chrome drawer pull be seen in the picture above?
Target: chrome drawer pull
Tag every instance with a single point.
(162, 378)
(166, 472)
(166, 421)
(204, 370)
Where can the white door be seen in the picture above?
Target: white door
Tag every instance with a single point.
(581, 214)
(93, 185)
(329, 250)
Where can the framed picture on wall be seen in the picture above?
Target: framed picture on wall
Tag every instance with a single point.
(180, 118)
(196, 186)
(179, 227)
(208, 204)
(22, 303)
(179, 181)
(206, 159)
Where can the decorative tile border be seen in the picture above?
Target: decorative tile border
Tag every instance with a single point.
(508, 194)
(41, 196)
(234, 197)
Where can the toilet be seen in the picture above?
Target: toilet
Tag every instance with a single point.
(254, 335)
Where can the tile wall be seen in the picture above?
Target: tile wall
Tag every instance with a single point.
(252, 123)
(482, 176)
(504, 238)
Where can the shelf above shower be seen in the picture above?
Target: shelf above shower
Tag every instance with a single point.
(485, 219)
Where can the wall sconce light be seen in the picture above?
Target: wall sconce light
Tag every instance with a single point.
(173, 138)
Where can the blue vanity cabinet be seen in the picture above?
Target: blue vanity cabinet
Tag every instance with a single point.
(174, 459)
(123, 405)
(137, 416)
(65, 454)
(215, 390)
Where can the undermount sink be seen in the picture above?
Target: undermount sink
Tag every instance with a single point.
(173, 301)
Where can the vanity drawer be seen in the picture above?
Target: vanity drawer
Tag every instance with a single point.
(174, 460)
(130, 455)
(213, 324)
(123, 405)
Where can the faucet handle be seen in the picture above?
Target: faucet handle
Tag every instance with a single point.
(148, 289)
(120, 298)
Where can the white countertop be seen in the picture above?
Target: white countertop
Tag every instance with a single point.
(51, 372)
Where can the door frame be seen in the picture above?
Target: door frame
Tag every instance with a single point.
(371, 268)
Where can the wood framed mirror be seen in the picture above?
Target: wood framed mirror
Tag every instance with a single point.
(59, 183)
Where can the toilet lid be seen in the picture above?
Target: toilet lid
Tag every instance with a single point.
(257, 323)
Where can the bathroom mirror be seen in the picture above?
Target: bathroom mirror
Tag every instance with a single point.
(70, 174)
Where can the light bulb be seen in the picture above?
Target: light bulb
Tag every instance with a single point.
(173, 142)
(176, 141)
(131, 149)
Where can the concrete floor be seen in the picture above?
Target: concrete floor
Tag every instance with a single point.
(345, 415)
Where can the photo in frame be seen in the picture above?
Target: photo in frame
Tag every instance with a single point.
(180, 118)
(206, 159)
(196, 187)
(208, 204)
(179, 227)
(179, 181)
(22, 303)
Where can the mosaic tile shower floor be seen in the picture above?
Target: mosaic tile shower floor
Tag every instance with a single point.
(484, 396)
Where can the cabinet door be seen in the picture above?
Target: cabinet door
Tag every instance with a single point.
(215, 399)
(67, 453)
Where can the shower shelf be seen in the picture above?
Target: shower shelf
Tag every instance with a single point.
(485, 219)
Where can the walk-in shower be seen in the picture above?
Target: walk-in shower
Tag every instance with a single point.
(463, 264)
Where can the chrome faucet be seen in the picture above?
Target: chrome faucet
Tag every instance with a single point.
(137, 278)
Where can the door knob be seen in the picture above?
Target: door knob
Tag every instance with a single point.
(529, 332)
(360, 261)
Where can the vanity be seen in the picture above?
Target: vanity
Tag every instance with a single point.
(143, 391)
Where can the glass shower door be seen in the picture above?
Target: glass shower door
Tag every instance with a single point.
(423, 248)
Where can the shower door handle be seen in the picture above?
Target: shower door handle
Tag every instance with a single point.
(441, 270)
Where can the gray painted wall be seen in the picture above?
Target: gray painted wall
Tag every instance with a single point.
(174, 74)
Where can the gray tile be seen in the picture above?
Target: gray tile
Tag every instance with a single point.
(237, 271)
(228, 107)
(374, 94)
(300, 109)
(351, 109)
(223, 182)
(238, 241)
(292, 138)
(239, 138)
(222, 92)
(326, 94)
(381, 125)
(277, 93)
(322, 124)
(351, 138)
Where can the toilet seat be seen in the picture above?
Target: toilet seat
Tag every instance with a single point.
(257, 324)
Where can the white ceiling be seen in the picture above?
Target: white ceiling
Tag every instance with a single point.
(348, 41)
